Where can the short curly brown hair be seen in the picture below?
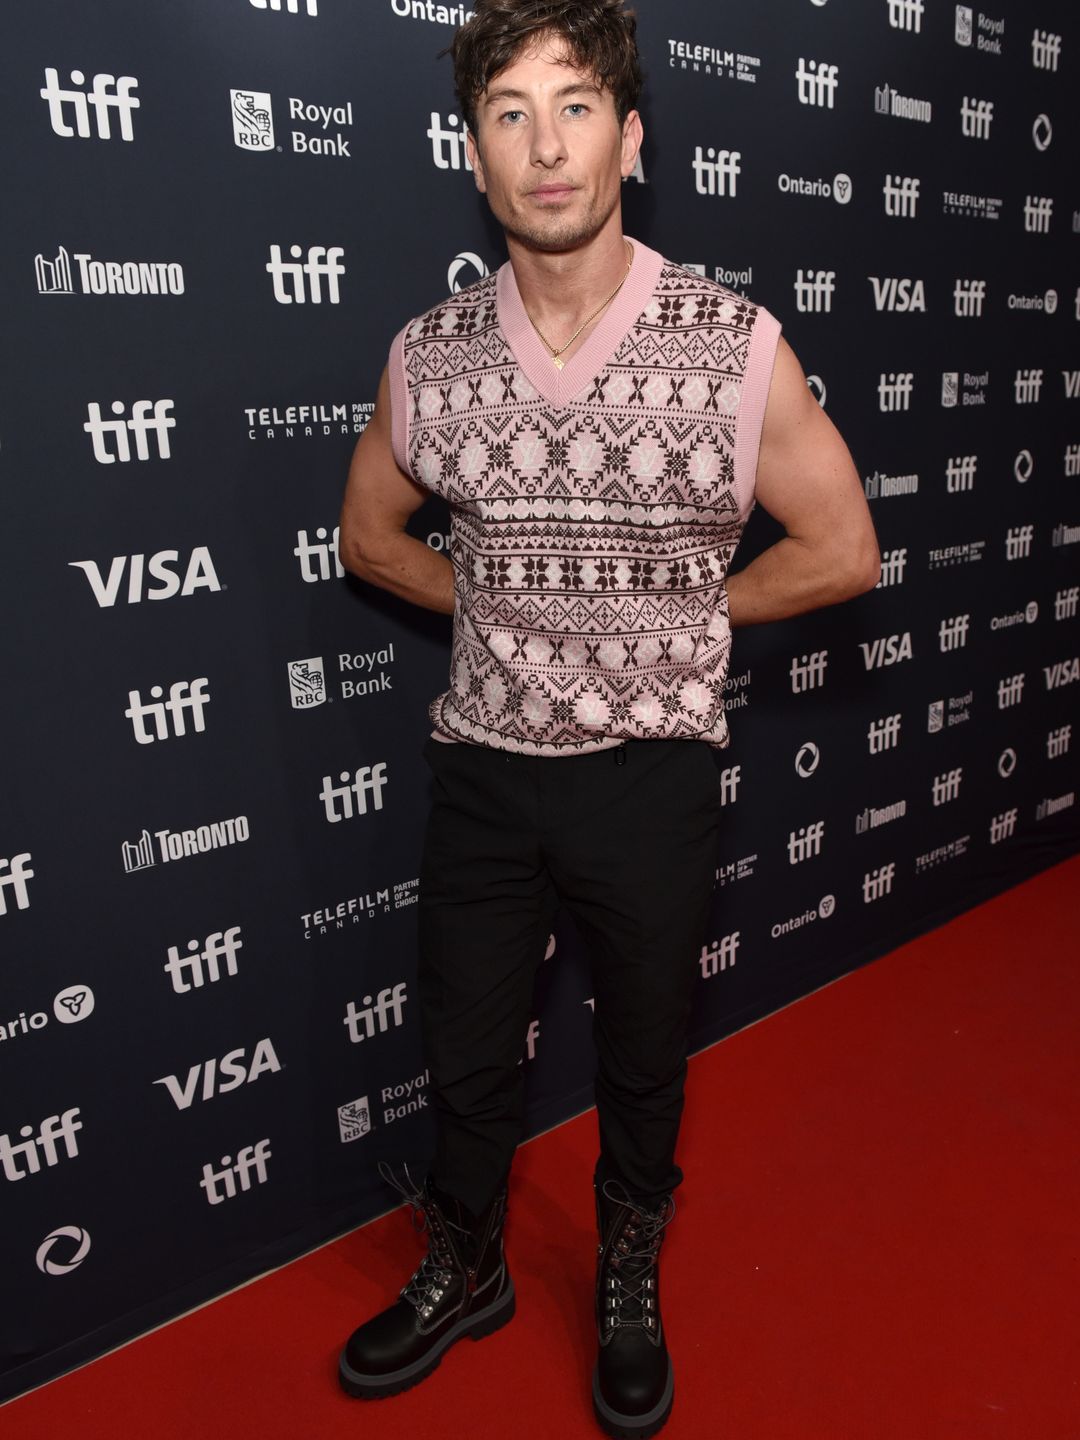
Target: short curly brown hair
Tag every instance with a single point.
(600, 36)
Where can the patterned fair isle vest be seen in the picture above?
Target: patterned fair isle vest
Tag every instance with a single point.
(595, 510)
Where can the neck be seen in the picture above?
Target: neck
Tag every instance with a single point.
(562, 287)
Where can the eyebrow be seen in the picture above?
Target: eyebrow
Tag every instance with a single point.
(579, 88)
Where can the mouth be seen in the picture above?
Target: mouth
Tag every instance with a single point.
(551, 194)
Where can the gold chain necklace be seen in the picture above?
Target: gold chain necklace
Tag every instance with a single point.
(556, 354)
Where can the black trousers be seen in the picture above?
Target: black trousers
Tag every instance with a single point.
(629, 848)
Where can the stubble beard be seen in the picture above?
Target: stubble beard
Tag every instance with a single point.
(554, 234)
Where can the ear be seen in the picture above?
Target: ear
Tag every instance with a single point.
(472, 150)
(632, 136)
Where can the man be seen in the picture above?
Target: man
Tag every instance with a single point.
(601, 422)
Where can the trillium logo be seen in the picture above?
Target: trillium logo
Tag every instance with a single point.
(461, 265)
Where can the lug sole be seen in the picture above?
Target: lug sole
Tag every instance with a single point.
(634, 1427)
(476, 1326)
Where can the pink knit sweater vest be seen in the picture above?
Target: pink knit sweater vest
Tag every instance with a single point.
(595, 510)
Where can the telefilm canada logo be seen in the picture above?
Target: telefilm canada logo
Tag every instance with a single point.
(306, 421)
(340, 914)
(691, 58)
(973, 207)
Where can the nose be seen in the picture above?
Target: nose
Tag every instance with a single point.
(548, 147)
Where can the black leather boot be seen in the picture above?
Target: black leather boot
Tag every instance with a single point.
(462, 1287)
(633, 1384)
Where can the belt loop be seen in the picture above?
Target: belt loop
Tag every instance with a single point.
(620, 755)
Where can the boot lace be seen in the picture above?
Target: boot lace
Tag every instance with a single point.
(429, 1281)
(630, 1273)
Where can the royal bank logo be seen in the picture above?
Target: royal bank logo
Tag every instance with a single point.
(839, 188)
(941, 714)
(141, 854)
(299, 281)
(253, 120)
(817, 83)
(898, 295)
(964, 390)
(895, 390)
(964, 32)
(960, 473)
(1038, 214)
(901, 196)
(986, 34)
(906, 15)
(354, 1119)
(15, 877)
(1045, 50)
(889, 101)
(976, 117)
(448, 150)
(107, 94)
(883, 734)
(814, 291)
(974, 207)
(716, 172)
(465, 269)
(206, 962)
(107, 277)
(307, 683)
(709, 60)
(148, 417)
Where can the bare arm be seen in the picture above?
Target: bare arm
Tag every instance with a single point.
(379, 498)
(807, 481)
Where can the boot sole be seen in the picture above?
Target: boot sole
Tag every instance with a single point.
(377, 1387)
(634, 1427)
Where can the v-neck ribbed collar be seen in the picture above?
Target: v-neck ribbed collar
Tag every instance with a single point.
(532, 355)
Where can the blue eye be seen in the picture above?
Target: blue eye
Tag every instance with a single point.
(577, 106)
(510, 113)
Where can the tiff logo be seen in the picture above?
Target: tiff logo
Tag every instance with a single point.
(1010, 691)
(14, 874)
(1045, 50)
(894, 391)
(953, 633)
(906, 15)
(1038, 212)
(878, 883)
(976, 117)
(968, 297)
(320, 261)
(292, 7)
(1018, 542)
(719, 956)
(236, 1177)
(353, 788)
(814, 290)
(901, 196)
(946, 787)
(714, 169)
(1003, 827)
(1072, 461)
(805, 843)
(183, 695)
(146, 416)
(1028, 386)
(729, 784)
(893, 565)
(57, 1128)
(378, 1015)
(884, 734)
(960, 474)
(1065, 603)
(203, 962)
(451, 140)
(817, 82)
(327, 551)
(808, 671)
(1057, 742)
(122, 101)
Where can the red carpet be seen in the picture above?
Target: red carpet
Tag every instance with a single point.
(877, 1240)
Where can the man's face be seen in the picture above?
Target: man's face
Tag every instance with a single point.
(549, 152)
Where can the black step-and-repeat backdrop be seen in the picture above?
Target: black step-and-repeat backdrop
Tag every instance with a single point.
(218, 212)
